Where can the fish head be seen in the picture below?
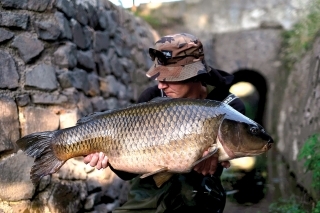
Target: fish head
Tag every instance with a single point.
(242, 137)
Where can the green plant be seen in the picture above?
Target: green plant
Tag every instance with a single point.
(310, 152)
(290, 205)
(317, 208)
(298, 40)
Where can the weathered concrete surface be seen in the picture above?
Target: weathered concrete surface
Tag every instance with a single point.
(296, 117)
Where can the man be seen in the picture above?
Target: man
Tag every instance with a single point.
(181, 72)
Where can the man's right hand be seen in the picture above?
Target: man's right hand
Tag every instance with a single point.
(98, 160)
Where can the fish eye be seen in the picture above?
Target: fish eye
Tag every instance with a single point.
(254, 130)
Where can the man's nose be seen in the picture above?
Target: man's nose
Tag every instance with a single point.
(162, 85)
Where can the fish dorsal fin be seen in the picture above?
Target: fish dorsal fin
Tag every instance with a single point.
(212, 151)
(92, 116)
(161, 178)
(162, 169)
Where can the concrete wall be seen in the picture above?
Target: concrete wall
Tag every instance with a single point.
(61, 60)
(295, 113)
(207, 17)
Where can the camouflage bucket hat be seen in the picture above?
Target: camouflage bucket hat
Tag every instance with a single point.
(176, 58)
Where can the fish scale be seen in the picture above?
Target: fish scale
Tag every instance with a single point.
(163, 136)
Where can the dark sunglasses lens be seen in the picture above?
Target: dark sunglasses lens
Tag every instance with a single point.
(159, 55)
(152, 53)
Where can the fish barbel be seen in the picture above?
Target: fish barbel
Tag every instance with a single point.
(160, 137)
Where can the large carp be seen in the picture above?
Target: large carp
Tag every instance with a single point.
(159, 138)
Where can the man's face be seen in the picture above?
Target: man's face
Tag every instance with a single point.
(179, 89)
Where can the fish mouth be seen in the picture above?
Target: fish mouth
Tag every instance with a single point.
(268, 146)
(264, 149)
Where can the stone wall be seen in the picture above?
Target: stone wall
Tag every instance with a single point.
(61, 60)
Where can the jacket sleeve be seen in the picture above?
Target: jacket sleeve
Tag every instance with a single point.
(145, 96)
(149, 93)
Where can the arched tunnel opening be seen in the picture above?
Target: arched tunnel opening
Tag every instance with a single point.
(245, 181)
(255, 100)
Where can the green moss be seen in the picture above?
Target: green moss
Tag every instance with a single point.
(291, 205)
(152, 21)
(310, 152)
(298, 41)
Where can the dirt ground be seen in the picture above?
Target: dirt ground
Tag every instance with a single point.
(261, 207)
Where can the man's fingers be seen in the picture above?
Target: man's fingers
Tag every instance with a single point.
(205, 167)
(87, 159)
(213, 165)
(226, 164)
(99, 163)
(94, 160)
(208, 166)
(104, 162)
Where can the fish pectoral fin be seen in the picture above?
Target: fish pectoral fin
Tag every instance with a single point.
(161, 178)
(162, 169)
(212, 151)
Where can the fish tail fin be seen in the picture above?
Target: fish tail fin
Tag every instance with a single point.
(38, 145)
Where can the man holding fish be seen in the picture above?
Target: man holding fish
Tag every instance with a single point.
(181, 72)
(170, 143)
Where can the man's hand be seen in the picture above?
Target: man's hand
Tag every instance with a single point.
(209, 165)
(98, 160)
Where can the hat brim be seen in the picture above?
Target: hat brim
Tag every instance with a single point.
(176, 73)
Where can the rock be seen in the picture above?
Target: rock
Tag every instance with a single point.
(47, 30)
(67, 7)
(68, 119)
(8, 72)
(94, 87)
(72, 170)
(49, 98)
(99, 104)
(85, 59)
(65, 191)
(28, 47)
(116, 66)
(81, 35)
(38, 5)
(23, 100)
(101, 41)
(104, 63)
(17, 4)
(93, 14)
(63, 25)
(84, 105)
(5, 35)
(42, 77)
(77, 78)
(15, 183)
(66, 56)
(81, 14)
(9, 124)
(36, 119)
(10, 19)
(112, 103)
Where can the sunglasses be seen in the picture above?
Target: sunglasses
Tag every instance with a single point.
(163, 59)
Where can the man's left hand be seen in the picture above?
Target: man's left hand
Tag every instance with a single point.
(210, 165)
